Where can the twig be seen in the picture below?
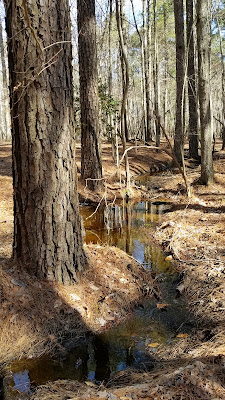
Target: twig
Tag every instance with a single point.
(93, 179)
(169, 154)
(89, 230)
(97, 206)
(55, 43)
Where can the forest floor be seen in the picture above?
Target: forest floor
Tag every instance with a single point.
(192, 233)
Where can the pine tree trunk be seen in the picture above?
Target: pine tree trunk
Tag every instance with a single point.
(192, 95)
(179, 126)
(125, 93)
(156, 78)
(222, 84)
(47, 232)
(203, 11)
(123, 67)
(91, 167)
(165, 60)
(5, 94)
(146, 54)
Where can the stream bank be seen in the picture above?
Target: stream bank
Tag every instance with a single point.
(193, 233)
(160, 319)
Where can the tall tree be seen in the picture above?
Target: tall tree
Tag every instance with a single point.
(192, 95)
(165, 61)
(146, 54)
(156, 76)
(91, 166)
(123, 65)
(125, 92)
(47, 233)
(203, 12)
(110, 50)
(5, 97)
(222, 121)
(180, 53)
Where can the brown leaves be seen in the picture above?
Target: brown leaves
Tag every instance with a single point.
(161, 306)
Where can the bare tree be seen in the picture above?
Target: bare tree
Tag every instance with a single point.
(203, 11)
(156, 76)
(125, 92)
(180, 53)
(192, 95)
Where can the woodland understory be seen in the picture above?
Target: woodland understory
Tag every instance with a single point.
(35, 316)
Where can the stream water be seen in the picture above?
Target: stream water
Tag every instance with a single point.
(101, 356)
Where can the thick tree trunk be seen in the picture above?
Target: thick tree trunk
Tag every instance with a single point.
(203, 11)
(179, 125)
(47, 232)
(192, 95)
(91, 167)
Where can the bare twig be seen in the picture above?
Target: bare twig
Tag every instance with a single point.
(171, 154)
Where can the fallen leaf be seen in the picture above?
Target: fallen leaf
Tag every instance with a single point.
(91, 384)
(103, 394)
(57, 303)
(162, 305)
(93, 287)
(155, 344)
(17, 282)
(182, 335)
(169, 258)
(181, 287)
(112, 396)
(102, 321)
(74, 296)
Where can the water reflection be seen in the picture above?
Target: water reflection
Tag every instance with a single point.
(118, 225)
(125, 345)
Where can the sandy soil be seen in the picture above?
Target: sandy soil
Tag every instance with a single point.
(193, 234)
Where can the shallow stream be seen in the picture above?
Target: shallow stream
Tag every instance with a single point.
(101, 356)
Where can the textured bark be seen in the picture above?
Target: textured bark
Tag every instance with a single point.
(203, 11)
(143, 80)
(165, 59)
(222, 84)
(156, 78)
(179, 33)
(123, 66)
(5, 96)
(146, 48)
(192, 95)
(110, 50)
(91, 167)
(47, 232)
(125, 93)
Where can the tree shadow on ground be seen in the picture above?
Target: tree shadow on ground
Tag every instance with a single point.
(36, 320)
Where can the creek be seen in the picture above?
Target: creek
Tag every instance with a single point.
(102, 356)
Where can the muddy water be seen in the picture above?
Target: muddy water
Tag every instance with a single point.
(101, 356)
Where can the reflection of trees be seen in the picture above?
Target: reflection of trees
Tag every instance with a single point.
(117, 224)
(128, 229)
(101, 351)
